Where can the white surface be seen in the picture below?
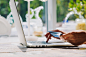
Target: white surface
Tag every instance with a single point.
(17, 22)
(5, 28)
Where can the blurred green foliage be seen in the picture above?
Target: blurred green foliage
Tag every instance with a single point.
(22, 7)
(80, 6)
(36, 3)
(62, 8)
(4, 7)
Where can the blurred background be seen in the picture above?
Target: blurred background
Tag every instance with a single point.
(62, 9)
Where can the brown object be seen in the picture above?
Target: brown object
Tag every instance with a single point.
(76, 37)
(85, 42)
(38, 33)
(48, 35)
